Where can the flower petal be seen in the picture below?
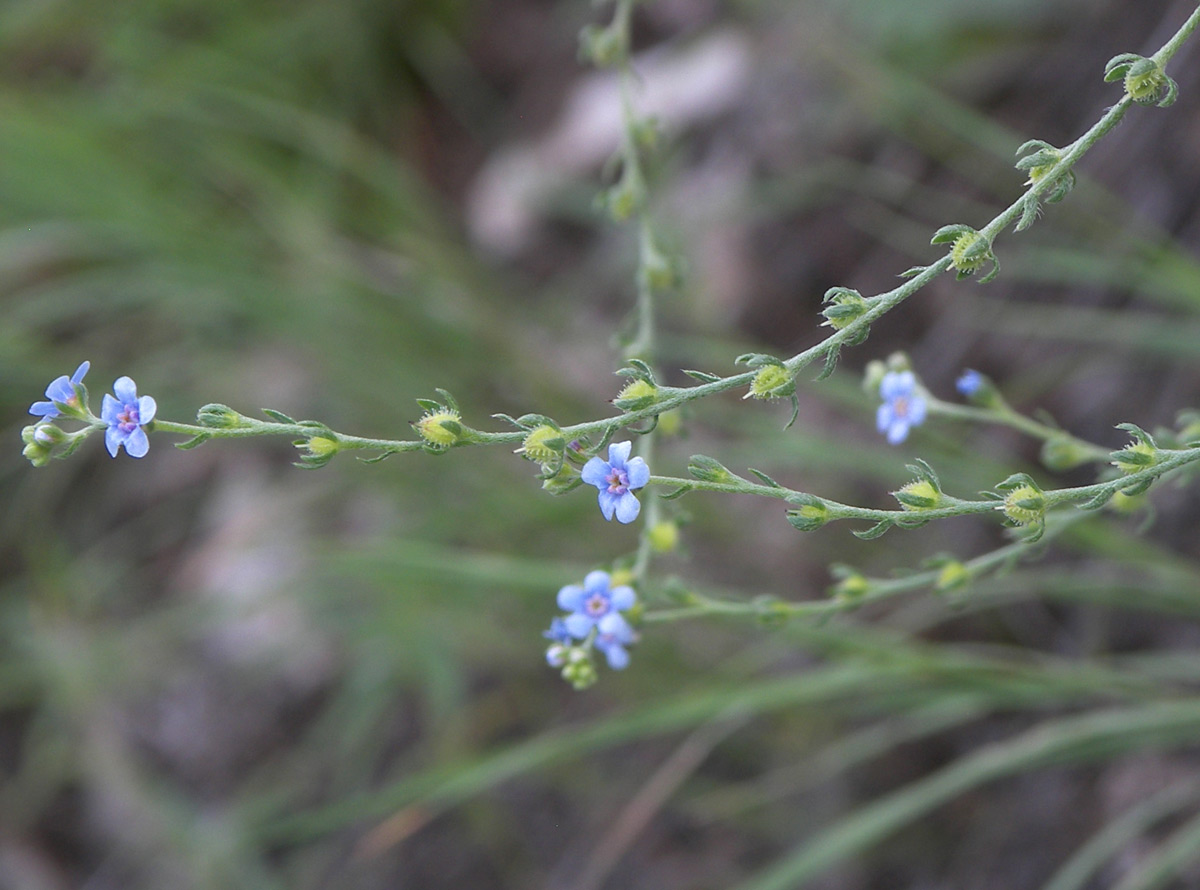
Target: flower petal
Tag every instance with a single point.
(627, 507)
(884, 417)
(639, 472)
(897, 384)
(570, 598)
(147, 408)
(623, 598)
(137, 443)
(618, 453)
(60, 389)
(578, 625)
(608, 503)
(596, 582)
(80, 372)
(618, 658)
(113, 438)
(44, 409)
(125, 390)
(595, 472)
(897, 432)
(109, 409)
(615, 626)
(916, 411)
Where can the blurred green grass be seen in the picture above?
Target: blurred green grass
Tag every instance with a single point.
(219, 671)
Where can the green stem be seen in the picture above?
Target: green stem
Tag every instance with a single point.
(1166, 461)
(1164, 55)
(1005, 415)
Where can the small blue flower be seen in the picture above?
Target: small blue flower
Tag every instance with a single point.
(969, 383)
(617, 478)
(595, 605)
(903, 407)
(612, 641)
(126, 415)
(560, 643)
(61, 389)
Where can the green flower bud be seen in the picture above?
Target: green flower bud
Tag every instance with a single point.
(953, 576)
(440, 429)
(920, 494)
(851, 586)
(1063, 453)
(319, 450)
(706, 469)
(579, 670)
(222, 417)
(670, 422)
(873, 375)
(603, 47)
(657, 270)
(663, 537)
(1127, 503)
(566, 479)
(812, 514)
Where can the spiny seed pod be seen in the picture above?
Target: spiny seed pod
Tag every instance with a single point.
(543, 445)
(918, 495)
(440, 428)
(970, 251)
(1134, 457)
(772, 382)
(639, 393)
(1024, 505)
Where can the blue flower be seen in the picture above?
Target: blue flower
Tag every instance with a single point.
(126, 415)
(616, 478)
(969, 383)
(61, 389)
(903, 407)
(597, 605)
(560, 643)
(612, 642)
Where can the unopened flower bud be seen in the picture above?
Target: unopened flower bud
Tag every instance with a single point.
(811, 515)
(663, 537)
(1063, 453)
(706, 469)
(579, 670)
(952, 576)
(217, 416)
(603, 47)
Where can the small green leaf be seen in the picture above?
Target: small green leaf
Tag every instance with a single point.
(875, 531)
(193, 442)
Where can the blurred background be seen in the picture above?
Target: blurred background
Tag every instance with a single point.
(217, 670)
